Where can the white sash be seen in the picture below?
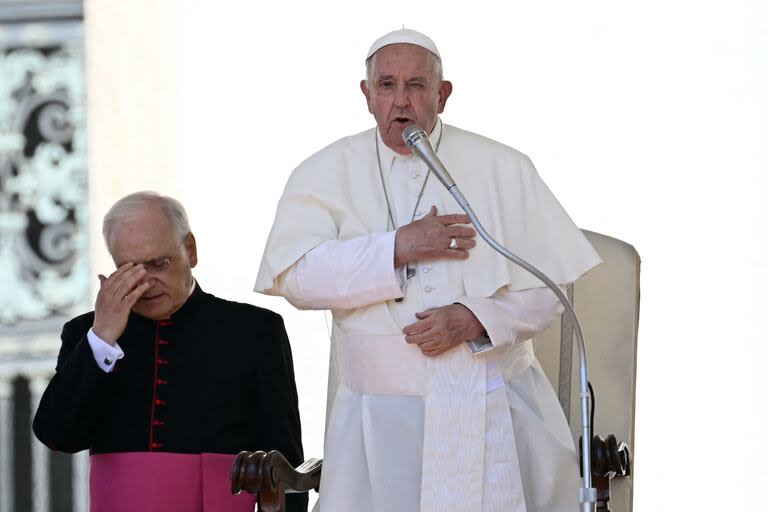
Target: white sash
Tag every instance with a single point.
(453, 387)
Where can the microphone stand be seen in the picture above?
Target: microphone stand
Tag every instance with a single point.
(418, 142)
(587, 494)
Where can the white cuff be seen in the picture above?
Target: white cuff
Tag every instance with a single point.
(499, 330)
(105, 354)
(511, 317)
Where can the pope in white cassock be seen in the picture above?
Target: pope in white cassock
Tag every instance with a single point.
(436, 399)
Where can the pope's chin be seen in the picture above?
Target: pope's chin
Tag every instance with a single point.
(394, 137)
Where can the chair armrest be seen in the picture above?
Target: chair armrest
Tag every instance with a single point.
(269, 476)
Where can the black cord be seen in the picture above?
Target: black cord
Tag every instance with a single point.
(592, 411)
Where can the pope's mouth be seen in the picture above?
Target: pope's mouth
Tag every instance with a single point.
(402, 120)
(150, 298)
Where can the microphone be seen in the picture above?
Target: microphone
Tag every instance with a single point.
(417, 141)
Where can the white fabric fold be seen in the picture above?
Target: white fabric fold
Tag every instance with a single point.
(345, 274)
(511, 317)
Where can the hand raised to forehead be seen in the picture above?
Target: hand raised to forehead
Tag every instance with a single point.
(430, 238)
(117, 295)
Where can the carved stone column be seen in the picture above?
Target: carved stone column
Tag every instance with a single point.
(6, 445)
(44, 266)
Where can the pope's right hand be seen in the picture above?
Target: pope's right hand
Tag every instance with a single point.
(429, 238)
(117, 295)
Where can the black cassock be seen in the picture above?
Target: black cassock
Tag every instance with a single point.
(217, 377)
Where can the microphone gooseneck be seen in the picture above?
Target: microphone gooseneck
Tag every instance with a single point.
(417, 141)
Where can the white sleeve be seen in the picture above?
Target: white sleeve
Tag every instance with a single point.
(512, 316)
(105, 354)
(344, 274)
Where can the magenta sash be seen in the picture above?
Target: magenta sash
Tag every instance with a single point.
(164, 482)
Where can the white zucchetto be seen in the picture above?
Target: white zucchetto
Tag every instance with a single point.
(404, 35)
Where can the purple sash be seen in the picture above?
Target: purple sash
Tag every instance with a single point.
(164, 482)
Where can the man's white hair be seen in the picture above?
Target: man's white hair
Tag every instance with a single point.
(132, 204)
(437, 66)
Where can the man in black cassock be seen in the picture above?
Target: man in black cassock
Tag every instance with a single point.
(164, 383)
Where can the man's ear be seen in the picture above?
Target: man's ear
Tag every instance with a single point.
(190, 245)
(367, 93)
(446, 88)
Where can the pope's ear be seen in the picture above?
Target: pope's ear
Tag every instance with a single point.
(367, 93)
(446, 88)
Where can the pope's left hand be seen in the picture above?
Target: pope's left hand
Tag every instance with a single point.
(438, 330)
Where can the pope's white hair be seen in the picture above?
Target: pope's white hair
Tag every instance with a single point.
(134, 203)
(436, 63)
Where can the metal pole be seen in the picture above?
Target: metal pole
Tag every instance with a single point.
(80, 496)
(41, 488)
(6, 445)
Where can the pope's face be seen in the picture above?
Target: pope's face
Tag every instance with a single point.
(150, 239)
(404, 89)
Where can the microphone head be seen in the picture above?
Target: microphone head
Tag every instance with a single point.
(412, 135)
(417, 141)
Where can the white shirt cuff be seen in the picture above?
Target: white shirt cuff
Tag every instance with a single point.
(105, 354)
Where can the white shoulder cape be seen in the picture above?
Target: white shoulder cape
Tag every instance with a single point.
(336, 194)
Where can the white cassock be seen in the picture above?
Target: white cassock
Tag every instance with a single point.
(406, 432)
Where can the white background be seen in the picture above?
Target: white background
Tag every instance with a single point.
(648, 120)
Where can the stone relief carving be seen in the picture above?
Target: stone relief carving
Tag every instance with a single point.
(43, 178)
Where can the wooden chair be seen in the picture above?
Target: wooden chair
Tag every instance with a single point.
(607, 304)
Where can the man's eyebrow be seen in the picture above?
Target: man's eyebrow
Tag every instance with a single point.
(383, 78)
(143, 262)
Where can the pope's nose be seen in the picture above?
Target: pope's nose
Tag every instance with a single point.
(401, 97)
